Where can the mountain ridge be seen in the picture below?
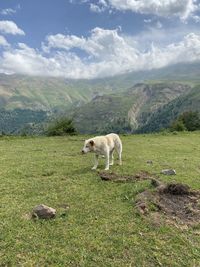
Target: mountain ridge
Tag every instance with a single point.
(123, 103)
(131, 107)
(48, 93)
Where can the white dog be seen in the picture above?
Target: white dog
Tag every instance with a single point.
(104, 145)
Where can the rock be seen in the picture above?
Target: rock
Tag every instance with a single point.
(43, 212)
(168, 172)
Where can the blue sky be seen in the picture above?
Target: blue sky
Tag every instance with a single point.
(99, 38)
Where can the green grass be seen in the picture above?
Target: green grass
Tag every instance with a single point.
(101, 227)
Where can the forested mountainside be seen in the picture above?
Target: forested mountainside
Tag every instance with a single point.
(127, 111)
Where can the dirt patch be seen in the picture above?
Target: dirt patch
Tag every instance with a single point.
(142, 175)
(176, 189)
(174, 202)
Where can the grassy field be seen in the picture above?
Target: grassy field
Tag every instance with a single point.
(102, 227)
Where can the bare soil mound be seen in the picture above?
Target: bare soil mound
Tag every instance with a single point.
(175, 202)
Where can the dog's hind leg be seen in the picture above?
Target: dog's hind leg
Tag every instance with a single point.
(111, 158)
(119, 152)
(107, 160)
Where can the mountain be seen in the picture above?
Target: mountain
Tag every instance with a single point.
(38, 93)
(128, 110)
(165, 115)
(47, 93)
(125, 103)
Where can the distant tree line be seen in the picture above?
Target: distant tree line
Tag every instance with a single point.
(61, 126)
(28, 122)
(189, 121)
(21, 121)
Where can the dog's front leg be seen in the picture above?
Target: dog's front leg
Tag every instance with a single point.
(96, 161)
(107, 160)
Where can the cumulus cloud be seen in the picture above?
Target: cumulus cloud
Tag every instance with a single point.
(9, 27)
(96, 8)
(99, 7)
(29, 61)
(3, 41)
(106, 53)
(164, 8)
(100, 45)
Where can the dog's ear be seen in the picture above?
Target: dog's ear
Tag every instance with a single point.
(92, 143)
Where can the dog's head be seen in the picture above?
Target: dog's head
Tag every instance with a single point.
(88, 146)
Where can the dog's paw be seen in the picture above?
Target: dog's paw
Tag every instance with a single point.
(111, 164)
(106, 169)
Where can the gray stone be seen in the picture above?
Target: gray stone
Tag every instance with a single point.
(168, 172)
(43, 212)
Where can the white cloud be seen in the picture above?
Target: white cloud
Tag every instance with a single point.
(65, 42)
(26, 60)
(7, 11)
(147, 20)
(9, 27)
(10, 11)
(107, 52)
(164, 8)
(101, 44)
(95, 8)
(99, 7)
(3, 41)
(196, 18)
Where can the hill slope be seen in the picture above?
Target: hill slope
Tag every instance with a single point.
(37, 93)
(163, 117)
(46, 93)
(126, 111)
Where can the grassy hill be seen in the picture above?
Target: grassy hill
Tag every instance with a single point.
(131, 107)
(102, 226)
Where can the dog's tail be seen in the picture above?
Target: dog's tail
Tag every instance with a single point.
(118, 147)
